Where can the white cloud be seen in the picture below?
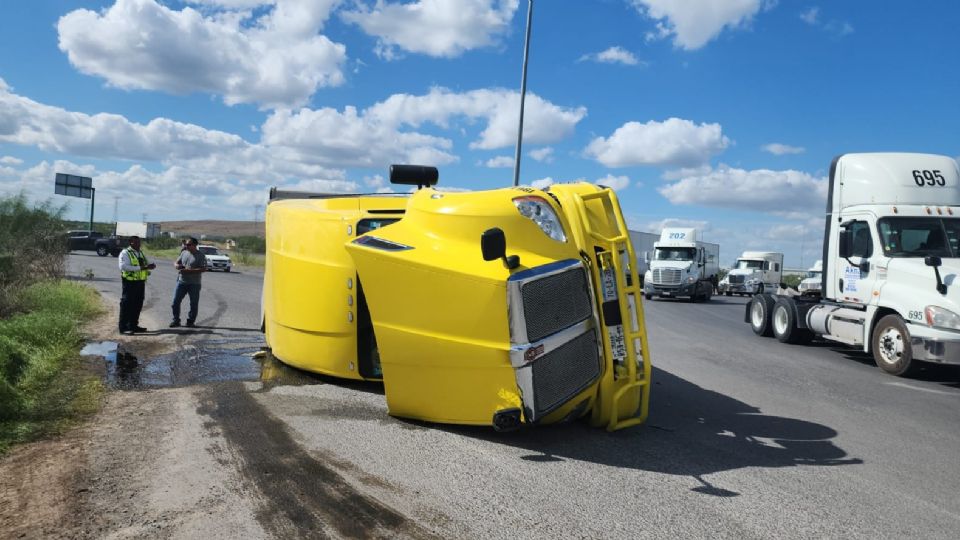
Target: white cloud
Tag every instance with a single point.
(274, 57)
(675, 142)
(694, 23)
(761, 190)
(613, 55)
(544, 155)
(10, 160)
(778, 149)
(614, 182)
(810, 16)
(440, 28)
(544, 122)
(499, 162)
(657, 226)
(542, 183)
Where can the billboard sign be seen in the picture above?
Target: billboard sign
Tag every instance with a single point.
(73, 186)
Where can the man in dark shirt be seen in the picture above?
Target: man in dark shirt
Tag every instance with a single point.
(191, 264)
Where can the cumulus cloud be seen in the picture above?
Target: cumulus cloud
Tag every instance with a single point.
(273, 56)
(613, 55)
(10, 160)
(544, 154)
(831, 26)
(810, 16)
(674, 142)
(761, 190)
(657, 226)
(614, 182)
(694, 23)
(439, 28)
(544, 122)
(499, 162)
(778, 149)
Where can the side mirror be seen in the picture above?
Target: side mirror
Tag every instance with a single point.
(493, 244)
(845, 246)
(646, 257)
(932, 260)
(414, 175)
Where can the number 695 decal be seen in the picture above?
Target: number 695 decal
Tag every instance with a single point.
(928, 178)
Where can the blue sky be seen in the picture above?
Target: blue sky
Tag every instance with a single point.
(723, 114)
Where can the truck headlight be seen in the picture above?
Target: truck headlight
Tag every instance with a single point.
(691, 279)
(540, 212)
(942, 318)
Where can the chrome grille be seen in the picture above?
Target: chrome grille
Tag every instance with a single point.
(736, 279)
(666, 276)
(555, 302)
(562, 373)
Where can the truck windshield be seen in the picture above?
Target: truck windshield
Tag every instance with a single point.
(749, 265)
(674, 254)
(919, 236)
(813, 274)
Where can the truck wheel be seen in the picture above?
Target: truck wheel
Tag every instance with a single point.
(892, 350)
(648, 296)
(728, 293)
(784, 321)
(102, 251)
(760, 307)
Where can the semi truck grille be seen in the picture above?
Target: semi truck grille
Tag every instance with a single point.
(562, 373)
(666, 276)
(555, 302)
(736, 279)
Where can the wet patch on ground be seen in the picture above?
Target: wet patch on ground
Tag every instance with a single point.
(301, 496)
(214, 361)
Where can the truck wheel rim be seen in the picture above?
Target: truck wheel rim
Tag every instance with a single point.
(756, 315)
(891, 345)
(780, 321)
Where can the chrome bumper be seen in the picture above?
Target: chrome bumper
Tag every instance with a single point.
(936, 350)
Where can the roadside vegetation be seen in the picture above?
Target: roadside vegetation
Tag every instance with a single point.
(43, 386)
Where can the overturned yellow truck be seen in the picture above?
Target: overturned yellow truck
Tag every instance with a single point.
(505, 308)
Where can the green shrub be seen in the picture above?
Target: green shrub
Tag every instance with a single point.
(162, 242)
(792, 281)
(32, 245)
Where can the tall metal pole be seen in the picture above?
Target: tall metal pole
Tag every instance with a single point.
(523, 94)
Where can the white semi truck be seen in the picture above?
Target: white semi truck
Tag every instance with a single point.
(891, 264)
(753, 273)
(681, 266)
(812, 281)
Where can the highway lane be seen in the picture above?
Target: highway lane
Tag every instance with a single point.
(747, 438)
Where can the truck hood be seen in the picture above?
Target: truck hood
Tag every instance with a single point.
(915, 283)
(673, 265)
(743, 272)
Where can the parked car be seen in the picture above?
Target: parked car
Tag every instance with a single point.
(215, 259)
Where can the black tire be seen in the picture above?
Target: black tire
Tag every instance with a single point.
(648, 296)
(759, 309)
(728, 293)
(709, 293)
(891, 346)
(226, 270)
(783, 320)
(102, 251)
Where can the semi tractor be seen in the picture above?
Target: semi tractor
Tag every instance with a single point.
(754, 272)
(681, 266)
(812, 281)
(891, 264)
(506, 308)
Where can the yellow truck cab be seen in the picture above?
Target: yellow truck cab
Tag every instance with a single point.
(504, 307)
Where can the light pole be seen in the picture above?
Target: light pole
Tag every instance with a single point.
(523, 94)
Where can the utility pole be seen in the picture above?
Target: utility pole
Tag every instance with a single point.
(116, 206)
(523, 94)
(143, 217)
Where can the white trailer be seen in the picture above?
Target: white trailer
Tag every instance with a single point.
(643, 249)
(138, 228)
(753, 273)
(681, 266)
(891, 264)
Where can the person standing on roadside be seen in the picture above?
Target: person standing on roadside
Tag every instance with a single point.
(191, 264)
(134, 269)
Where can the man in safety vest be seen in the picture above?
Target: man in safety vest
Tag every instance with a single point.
(134, 269)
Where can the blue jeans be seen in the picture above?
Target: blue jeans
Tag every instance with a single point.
(184, 289)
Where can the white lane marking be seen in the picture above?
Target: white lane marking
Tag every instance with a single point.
(930, 390)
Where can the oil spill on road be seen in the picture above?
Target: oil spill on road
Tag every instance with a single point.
(301, 496)
(192, 366)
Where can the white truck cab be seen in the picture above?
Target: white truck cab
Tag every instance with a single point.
(681, 266)
(891, 264)
(753, 273)
(812, 282)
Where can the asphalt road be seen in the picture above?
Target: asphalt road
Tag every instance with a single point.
(747, 438)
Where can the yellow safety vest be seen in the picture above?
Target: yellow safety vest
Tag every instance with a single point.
(137, 258)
